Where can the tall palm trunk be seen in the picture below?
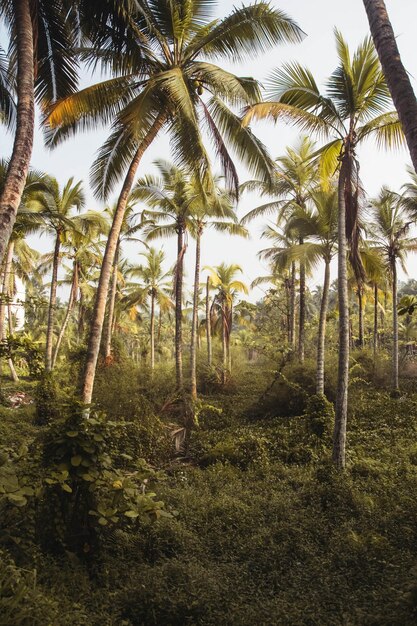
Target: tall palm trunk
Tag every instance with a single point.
(302, 316)
(112, 302)
(208, 323)
(179, 275)
(158, 336)
(152, 328)
(193, 350)
(339, 435)
(292, 306)
(224, 343)
(361, 317)
(229, 333)
(96, 327)
(397, 77)
(395, 383)
(70, 306)
(52, 303)
(23, 141)
(322, 329)
(375, 338)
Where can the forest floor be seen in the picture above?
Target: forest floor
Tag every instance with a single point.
(261, 528)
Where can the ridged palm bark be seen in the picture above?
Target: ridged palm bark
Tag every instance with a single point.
(208, 323)
(194, 329)
(25, 119)
(397, 77)
(112, 302)
(321, 339)
(339, 434)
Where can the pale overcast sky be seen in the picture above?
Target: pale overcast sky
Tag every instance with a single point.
(317, 18)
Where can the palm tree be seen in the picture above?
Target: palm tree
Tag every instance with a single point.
(155, 284)
(397, 77)
(42, 36)
(390, 235)
(84, 253)
(56, 206)
(295, 178)
(159, 86)
(223, 279)
(208, 212)
(128, 231)
(320, 227)
(354, 108)
(171, 199)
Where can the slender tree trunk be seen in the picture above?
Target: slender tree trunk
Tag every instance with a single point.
(152, 329)
(96, 328)
(287, 321)
(158, 337)
(302, 317)
(361, 320)
(229, 334)
(224, 344)
(112, 302)
(292, 306)
(396, 75)
(70, 305)
(375, 342)
(179, 274)
(208, 323)
(23, 142)
(5, 288)
(322, 330)
(6, 295)
(339, 436)
(194, 329)
(395, 383)
(52, 304)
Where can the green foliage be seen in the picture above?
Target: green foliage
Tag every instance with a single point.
(48, 400)
(85, 487)
(23, 346)
(320, 416)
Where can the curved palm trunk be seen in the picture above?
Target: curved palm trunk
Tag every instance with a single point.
(208, 323)
(361, 317)
(395, 383)
(23, 142)
(112, 302)
(375, 338)
(397, 77)
(153, 329)
(96, 328)
(302, 317)
(322, 330)
(70, 306)
(292, 306)
(179, 275)
(52, 304)
(193, 349)
(339, 435)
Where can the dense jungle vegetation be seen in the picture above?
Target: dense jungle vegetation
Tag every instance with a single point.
(174, 450)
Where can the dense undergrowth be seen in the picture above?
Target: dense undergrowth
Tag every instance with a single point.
(256, 525)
